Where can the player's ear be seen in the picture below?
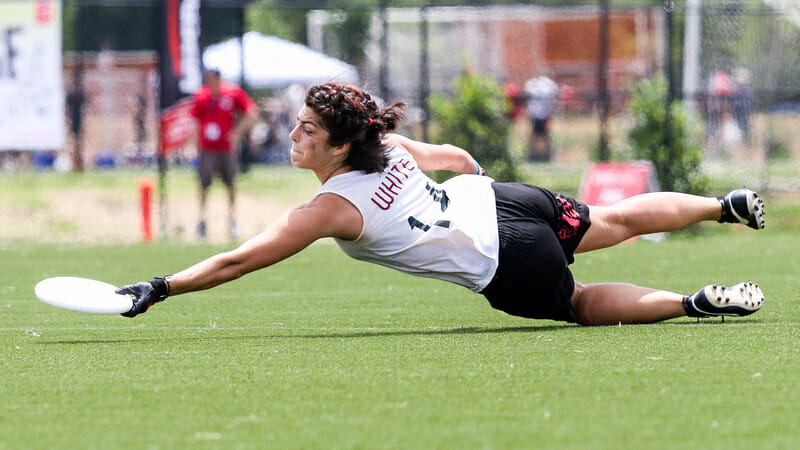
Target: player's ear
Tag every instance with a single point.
(343, 149)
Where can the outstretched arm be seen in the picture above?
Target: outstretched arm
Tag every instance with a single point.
(327, 215)
(438, 157)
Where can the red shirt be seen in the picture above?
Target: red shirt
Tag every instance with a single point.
(217, 115)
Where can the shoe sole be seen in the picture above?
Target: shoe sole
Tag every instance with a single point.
(738, 300)
(756, 205)
(755, 211)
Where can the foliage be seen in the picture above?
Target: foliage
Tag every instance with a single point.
(776, 146)
(350, 35)
(475, 119)
(93, 27)
(285, 23)
(677, 164)
(767, 45)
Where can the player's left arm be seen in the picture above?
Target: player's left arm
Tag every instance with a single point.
(438, 157)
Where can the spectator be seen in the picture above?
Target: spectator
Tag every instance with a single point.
(75, 101)
(542, 93)
(720, 88)
(517, 100)
(223, 112)
(742, 100)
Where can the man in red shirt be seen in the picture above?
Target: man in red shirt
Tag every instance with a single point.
(224, 112)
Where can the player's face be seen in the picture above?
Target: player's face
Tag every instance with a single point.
(310, 149)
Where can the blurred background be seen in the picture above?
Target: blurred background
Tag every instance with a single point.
(704, 89)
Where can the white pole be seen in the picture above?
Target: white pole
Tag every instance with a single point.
(691, 54)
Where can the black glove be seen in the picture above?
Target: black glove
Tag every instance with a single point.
(145, 294)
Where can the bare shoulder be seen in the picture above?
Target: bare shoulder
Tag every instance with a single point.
(334, 214)
(397, 140)
(417, 149)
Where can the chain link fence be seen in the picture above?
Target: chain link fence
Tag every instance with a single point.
(738, 67)
(742, 72)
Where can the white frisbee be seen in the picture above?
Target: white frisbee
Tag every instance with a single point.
(83, 295)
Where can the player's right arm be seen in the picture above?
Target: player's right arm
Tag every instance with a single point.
(437, 156)
(327, 215)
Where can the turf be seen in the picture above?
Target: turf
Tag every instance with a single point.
(321, 351)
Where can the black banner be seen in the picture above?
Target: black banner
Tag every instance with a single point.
(180, 62)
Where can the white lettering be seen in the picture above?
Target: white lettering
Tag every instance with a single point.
(391, 185)
(383, 203)
(192, 77)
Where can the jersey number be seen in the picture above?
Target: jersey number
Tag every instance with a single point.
(439, 196)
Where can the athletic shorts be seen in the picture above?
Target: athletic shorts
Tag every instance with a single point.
(212, 163)
(539, 231)
(540, 126)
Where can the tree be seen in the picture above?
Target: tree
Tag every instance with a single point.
(476, 118)
(677, 164)
(285, 23)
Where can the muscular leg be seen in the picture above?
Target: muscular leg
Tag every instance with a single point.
(643, 214)
(613, 303)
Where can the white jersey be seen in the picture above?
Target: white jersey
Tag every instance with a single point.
(417, 226)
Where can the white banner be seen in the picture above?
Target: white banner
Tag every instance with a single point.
(31, 86)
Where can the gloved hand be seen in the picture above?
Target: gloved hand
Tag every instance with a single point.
(145, 294)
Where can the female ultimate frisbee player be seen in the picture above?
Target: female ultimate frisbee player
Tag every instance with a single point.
(511, 242)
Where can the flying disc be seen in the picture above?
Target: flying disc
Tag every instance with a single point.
(83, 295)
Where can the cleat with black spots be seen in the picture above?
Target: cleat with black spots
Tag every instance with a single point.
(714, 300)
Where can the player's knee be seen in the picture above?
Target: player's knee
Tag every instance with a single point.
(577, 304)
(576, 295)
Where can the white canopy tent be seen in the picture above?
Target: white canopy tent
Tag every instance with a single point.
(271, 62)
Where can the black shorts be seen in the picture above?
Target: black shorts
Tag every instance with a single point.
(540, 127)
(539, 231)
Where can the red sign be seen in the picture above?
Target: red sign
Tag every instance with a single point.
(43, 11)
(177, 124)
(606, 183)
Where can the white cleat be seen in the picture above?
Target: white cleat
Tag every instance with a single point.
(743, 206)
(740, 300)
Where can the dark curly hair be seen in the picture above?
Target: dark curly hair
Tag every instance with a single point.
(351, 116)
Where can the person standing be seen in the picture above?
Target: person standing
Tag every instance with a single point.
(742, 102)
(542, 93)
(224, 112)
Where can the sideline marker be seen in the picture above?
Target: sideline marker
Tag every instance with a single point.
(145, 201)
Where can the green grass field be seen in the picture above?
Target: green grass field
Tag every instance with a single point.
(324, 352)
(321, 351)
